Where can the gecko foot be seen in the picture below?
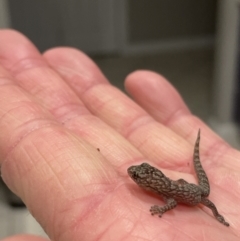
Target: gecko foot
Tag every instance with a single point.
(156, 210)
(221, 219)
(171, 203)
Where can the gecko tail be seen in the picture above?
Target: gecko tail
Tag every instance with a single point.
(201, 175)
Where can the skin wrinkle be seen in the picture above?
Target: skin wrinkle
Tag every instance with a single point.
(184, 233)
(71, 109)
(29, 199)
(4, 74)
(6, 82)
(27, 108)
(23, 190)
(115, 212)
(137, 122)
(140, 223)
(130, 215)
(166, 162)
(106, 102)
(99, 104)
(93, 204)
(82, 90)
(226, 189)
(74, 68)
(80, 178)
(203, 234)
(56, 92)
(216, 152)
(15, 90)
(21, 138)
(175, 116)
(189, 120)
(104, 174)
(214, 193)
(24, 64)
(53, 173)
(24, 102)
(89, 204)
(75, 75)
(56, 175)
(101, 235)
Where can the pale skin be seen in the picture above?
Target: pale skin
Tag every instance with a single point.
(68, 137)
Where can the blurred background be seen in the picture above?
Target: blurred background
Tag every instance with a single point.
(194, 44)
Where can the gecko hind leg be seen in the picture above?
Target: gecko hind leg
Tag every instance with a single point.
(216, 214)
(171, 203)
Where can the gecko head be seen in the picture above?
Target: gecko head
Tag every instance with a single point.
(142, 174)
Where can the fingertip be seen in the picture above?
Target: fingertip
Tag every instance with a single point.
(139, 75)
(75, 67)
(17, 52)
(155, 94)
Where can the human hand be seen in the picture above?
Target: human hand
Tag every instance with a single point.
(68, 137)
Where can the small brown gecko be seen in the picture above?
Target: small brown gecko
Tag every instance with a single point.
(179, 191)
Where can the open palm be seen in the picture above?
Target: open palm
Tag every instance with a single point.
(68, 137)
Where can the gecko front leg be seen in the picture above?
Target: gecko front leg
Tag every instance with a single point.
(171, 203)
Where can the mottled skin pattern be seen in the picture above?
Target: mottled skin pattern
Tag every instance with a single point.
(174, 192)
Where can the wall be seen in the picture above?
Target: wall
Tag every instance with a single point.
(62, 22)
(160, 19)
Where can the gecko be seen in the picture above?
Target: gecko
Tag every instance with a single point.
(179, 191)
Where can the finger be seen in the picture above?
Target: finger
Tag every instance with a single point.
(59, 176)
(31, 72)
(164, 103)
(24, 237)
(163, 106)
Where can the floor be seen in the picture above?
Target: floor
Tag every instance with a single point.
(191, 70)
